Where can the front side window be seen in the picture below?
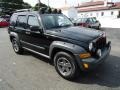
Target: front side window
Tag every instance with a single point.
(33, 21)
(21, 21)
(55, 21)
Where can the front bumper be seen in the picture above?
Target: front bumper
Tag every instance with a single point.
(94, 62)
(95, 27)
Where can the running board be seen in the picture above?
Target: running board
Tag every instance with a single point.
(37, 52)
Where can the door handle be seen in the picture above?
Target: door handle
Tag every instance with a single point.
(27, 32)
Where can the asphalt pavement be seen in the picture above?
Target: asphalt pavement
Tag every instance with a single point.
(33, 72)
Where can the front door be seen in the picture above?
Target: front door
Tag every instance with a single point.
(34, 39)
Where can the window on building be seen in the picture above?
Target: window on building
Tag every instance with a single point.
(102, 14)
(97, 14)
(91, 14)
(112, 13)
(119, 14)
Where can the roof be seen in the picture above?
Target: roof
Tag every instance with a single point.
(91, 4)
(114, 6)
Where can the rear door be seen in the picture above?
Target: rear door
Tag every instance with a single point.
(21, 27)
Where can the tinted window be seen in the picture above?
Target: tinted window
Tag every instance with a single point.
(21, 22)
(33, 21)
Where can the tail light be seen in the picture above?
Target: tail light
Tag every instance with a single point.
(83, 24)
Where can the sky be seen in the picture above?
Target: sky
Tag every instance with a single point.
(59, 3)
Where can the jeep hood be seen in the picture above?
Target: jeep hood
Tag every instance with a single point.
(77, 33)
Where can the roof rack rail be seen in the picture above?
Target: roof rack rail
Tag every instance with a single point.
(23, 10)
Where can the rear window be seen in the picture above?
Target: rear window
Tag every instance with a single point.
(1, 19)
(13, 19)
(81, 20)
(91, 20)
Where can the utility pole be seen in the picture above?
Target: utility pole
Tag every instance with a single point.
(48, 3)
(39, 1)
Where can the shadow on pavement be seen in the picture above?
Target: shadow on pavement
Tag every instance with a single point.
(107, 74)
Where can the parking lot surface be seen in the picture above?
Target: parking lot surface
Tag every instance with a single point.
(33, 72)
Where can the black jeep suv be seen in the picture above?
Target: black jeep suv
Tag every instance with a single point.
(55, 37)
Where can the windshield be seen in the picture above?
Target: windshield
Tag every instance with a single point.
(55, 21)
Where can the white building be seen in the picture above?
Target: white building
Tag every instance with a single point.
(105, 11)
(99, 9)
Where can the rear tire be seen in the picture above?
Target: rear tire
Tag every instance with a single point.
(16, 46)
(66, 65)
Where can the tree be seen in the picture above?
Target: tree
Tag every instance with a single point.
(10, 5)
(41, 5)
(26, 5)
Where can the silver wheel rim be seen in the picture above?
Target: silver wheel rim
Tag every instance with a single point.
(15, 46)
(64, 66)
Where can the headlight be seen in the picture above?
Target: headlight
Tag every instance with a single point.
(90, 46)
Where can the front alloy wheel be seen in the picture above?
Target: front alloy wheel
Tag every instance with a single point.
(65, 65)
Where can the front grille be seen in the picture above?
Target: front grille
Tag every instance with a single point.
(100, 43)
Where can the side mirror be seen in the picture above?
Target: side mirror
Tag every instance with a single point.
(35, 28)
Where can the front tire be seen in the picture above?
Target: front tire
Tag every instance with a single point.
(16, 46)
(66, 65)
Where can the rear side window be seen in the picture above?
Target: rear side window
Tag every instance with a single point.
(13, 19)
(21, 21)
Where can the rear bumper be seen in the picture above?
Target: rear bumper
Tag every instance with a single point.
(94, 62)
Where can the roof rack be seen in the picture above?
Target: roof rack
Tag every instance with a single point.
(45, 10)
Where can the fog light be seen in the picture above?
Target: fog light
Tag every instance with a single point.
(86, 66)
(85, 55)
